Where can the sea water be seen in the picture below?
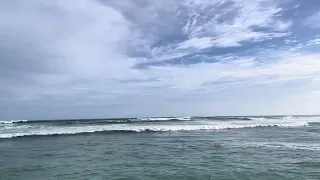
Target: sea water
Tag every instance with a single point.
(219, 148)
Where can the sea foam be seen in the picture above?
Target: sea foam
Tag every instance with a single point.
(165, 118)
(13, 121)
(57, 130)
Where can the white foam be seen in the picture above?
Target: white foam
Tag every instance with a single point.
(288, 117)
(165, 118)
(257, 119)
(56, 130)
(12, 121)
(184, 118)
(10, 126)
(275, 118)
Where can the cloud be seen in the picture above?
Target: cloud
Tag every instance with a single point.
(148, 58)
(315, 41)
(175, 29)
(76, 34)
(286, 69)
(61, 42)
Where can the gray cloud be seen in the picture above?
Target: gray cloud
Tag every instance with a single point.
(73, 59)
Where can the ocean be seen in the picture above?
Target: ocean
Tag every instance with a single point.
(177, 148)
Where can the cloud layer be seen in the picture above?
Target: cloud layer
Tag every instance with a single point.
(107, 58)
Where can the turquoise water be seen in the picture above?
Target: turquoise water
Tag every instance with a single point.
(219, 148)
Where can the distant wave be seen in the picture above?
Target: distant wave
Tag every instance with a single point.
(165, 118)
(246, 118)
(159, 119)
(226, 118)
(100, 121)
(13, 121)
(56, 130)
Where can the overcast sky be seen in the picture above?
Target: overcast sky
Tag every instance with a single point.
(120, 58)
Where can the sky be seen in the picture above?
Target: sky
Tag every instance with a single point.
(134, 58)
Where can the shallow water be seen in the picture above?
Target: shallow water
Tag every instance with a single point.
(262, 152)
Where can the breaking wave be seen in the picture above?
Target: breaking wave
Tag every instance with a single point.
(56, 130)
(20, 128)
(13, 121)
(159, 119)
(165, 118)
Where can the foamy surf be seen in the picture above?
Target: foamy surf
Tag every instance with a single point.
(165, 118)
(13, 121)
(52, 130)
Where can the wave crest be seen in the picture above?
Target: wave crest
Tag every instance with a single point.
(165, 118)
(142, 128)
(13, 121)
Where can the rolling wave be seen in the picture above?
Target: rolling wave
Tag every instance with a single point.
(165, 118)
(18, 128)
(13, 121)
(247, 118)
(223, 118)
(56, 130)
(156, 119)
(100, 121)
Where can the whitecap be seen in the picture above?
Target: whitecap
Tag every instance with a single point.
(56, 130)
(12, 121)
